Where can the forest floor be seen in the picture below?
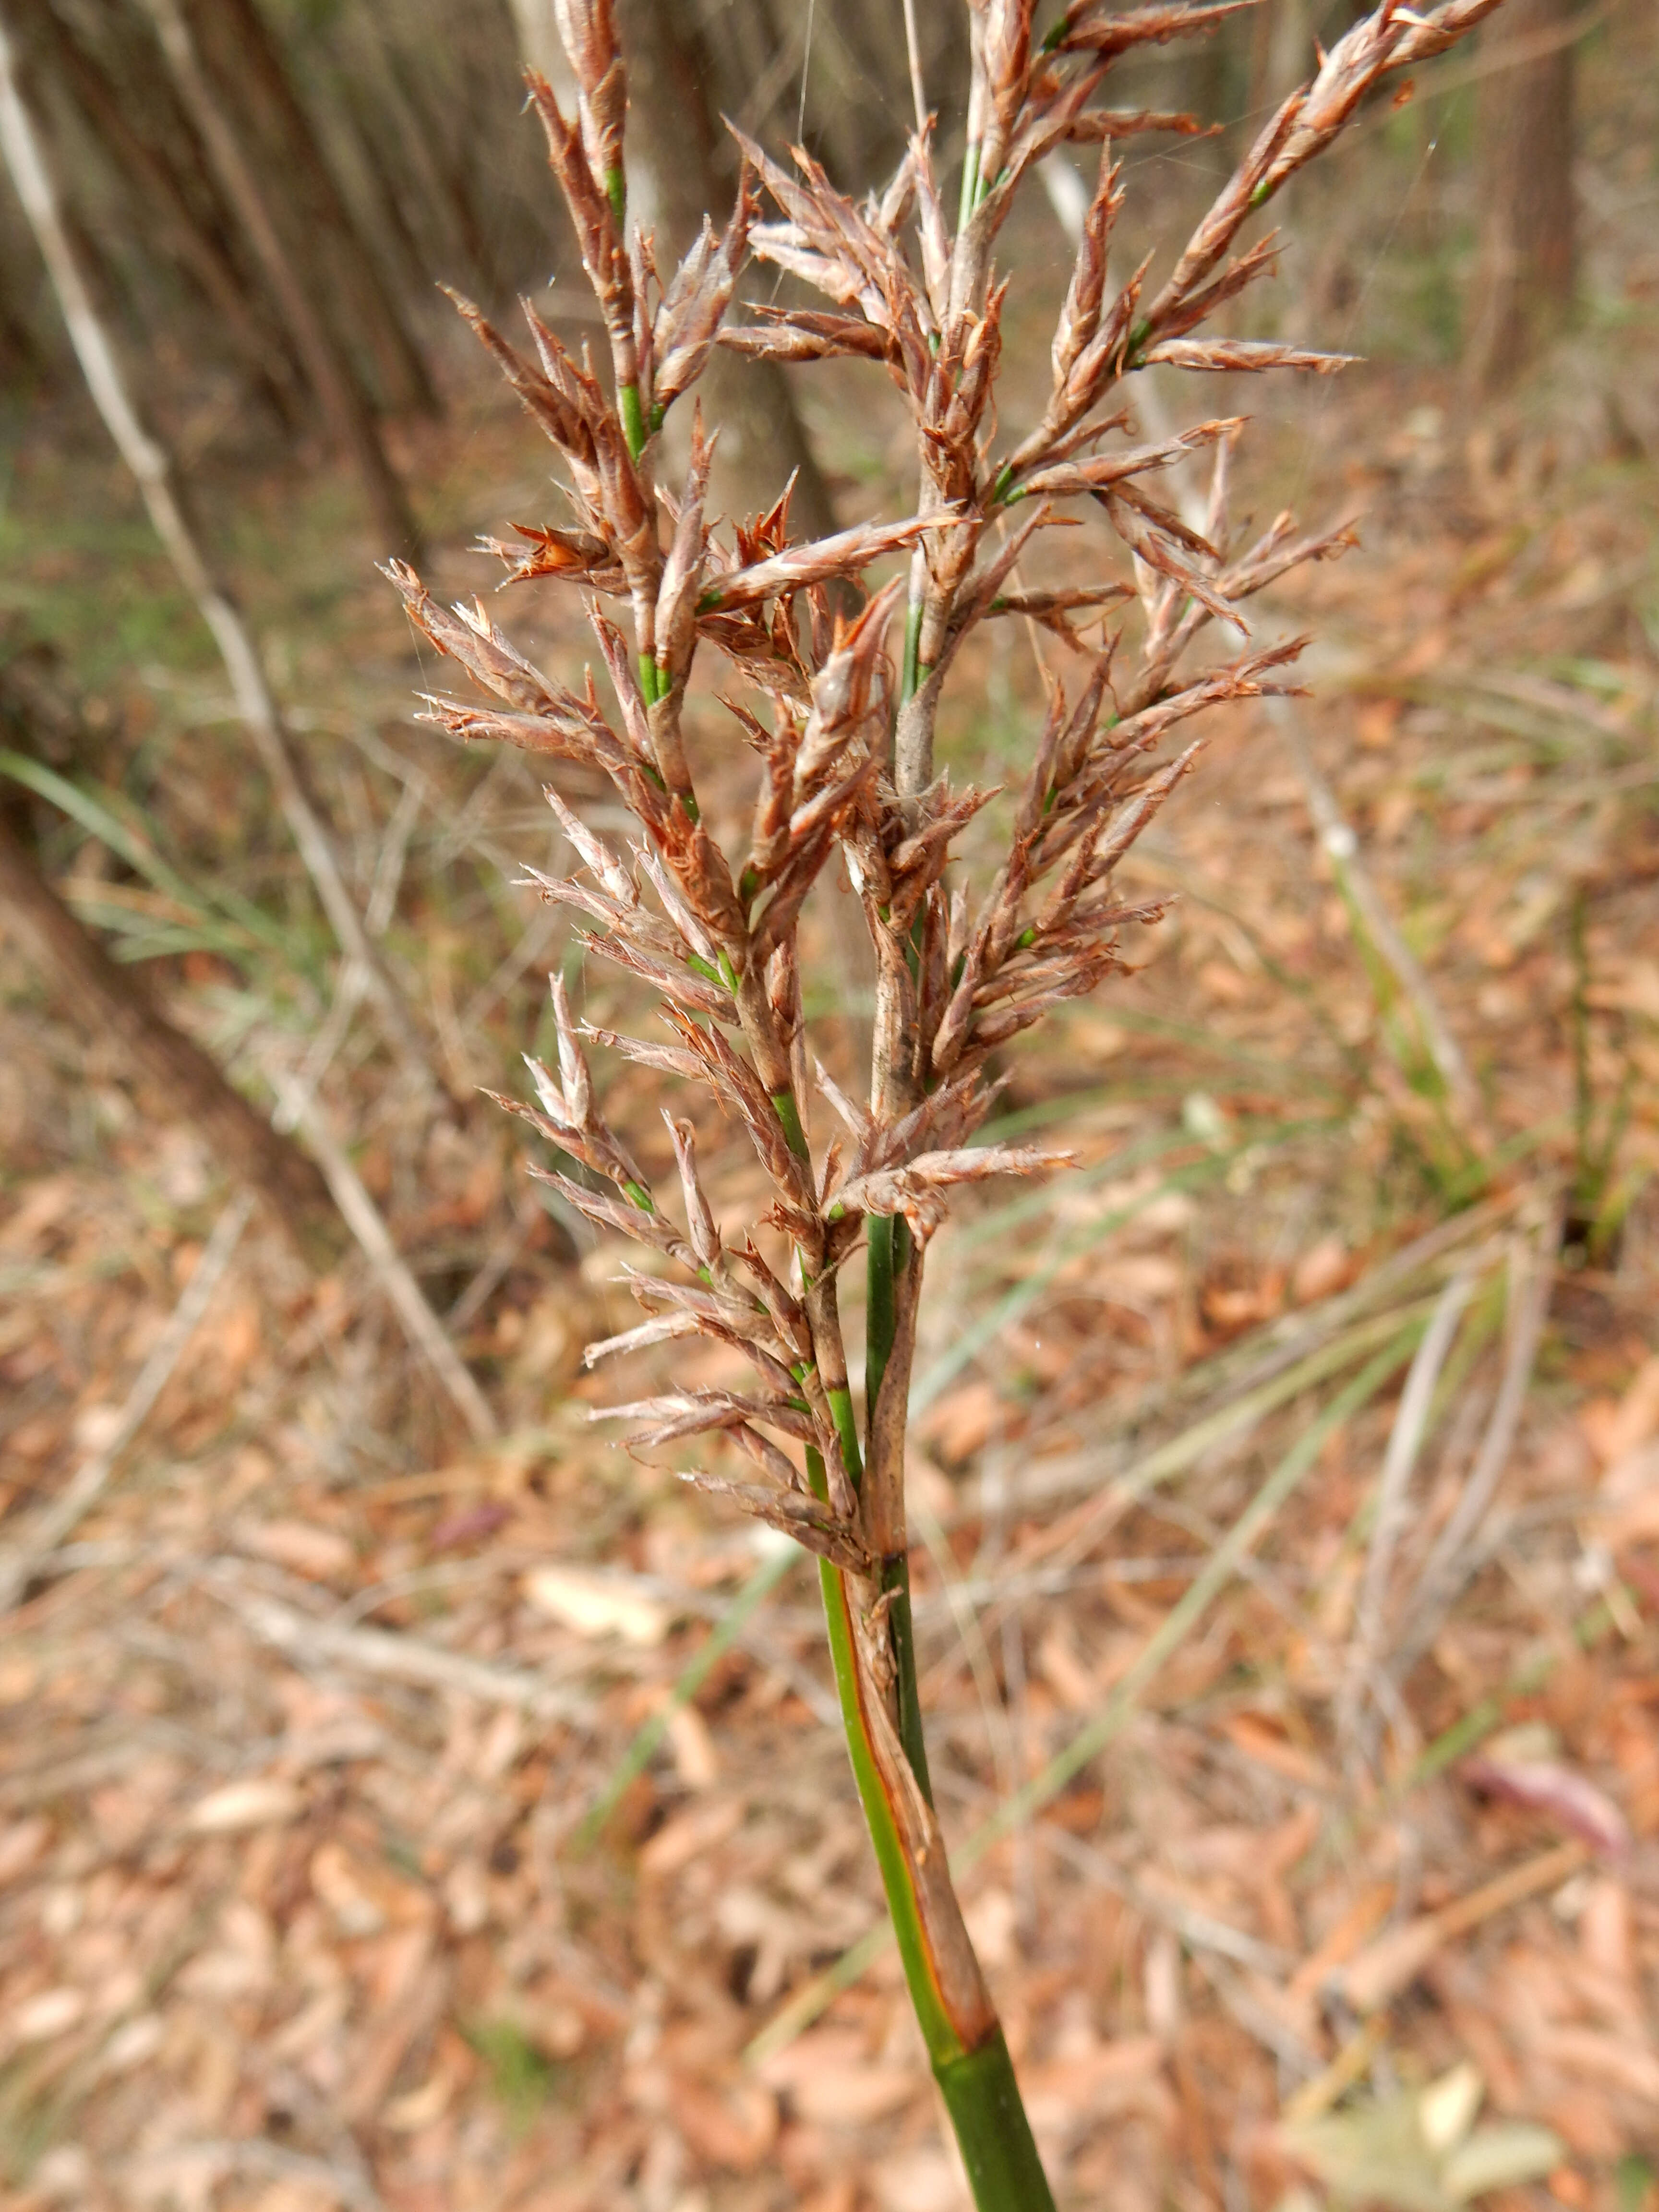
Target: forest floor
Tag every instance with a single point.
(389, 1818)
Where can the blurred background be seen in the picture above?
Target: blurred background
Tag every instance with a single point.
(408, 1800)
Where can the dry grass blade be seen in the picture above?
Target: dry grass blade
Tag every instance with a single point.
(1531, 1283)
(1405, 1440)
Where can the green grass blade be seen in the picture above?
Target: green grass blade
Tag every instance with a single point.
(98, 819)
(1218, 1571)
(643, 1748)
(93, 815)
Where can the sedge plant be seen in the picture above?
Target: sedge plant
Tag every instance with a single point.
(836, 700)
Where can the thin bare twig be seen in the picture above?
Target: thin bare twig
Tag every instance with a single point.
(346, 411)
(913, 55)
(363, 1216)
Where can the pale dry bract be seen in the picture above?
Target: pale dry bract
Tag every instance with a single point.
(843, 699)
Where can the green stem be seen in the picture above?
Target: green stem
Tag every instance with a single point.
(881, 1322)
(655, 685)
(628, 399)
(945, 2045)
(992, 2133)
(911, 676)
(841, 1411)
(633, 420)
(783, 1104)
(971, 191)
(978, 2086)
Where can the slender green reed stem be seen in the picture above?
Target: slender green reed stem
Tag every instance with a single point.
(881, 1315)
(979, 2086)
(970, 192)
(896, 1582)
(992, 2132)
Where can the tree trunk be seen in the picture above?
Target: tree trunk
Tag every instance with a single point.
(351, 425)
(152, 470)
(117, 1004)
(196, 244)
(419, 91)
(247, 68)
(1524, 272)
(1281, 54)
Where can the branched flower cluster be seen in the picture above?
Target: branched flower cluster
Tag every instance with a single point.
(843, 704)
(842, 728)
(843, 696)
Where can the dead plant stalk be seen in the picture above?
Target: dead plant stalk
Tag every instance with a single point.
(844, 744)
